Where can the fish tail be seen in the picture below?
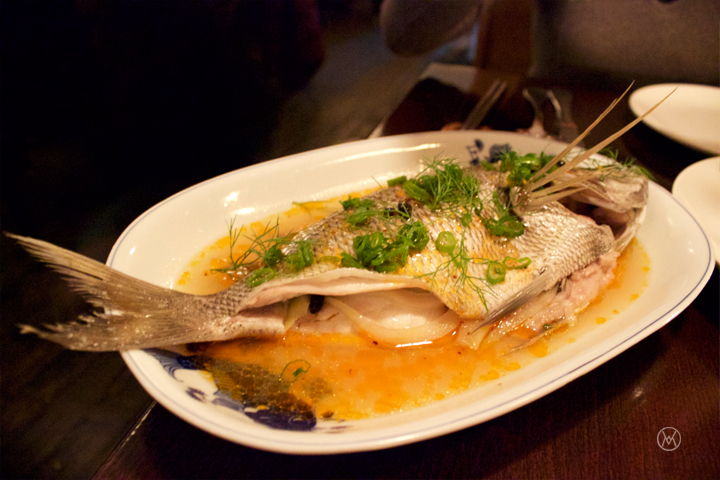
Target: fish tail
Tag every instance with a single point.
(130, 313)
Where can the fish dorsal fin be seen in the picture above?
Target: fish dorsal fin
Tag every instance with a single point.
(537, 191)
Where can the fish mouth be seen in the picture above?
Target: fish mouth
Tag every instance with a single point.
(621, 223)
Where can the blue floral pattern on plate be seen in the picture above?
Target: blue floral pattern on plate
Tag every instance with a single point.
(172, 363)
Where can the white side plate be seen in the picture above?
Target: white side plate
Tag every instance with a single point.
(698, 189)
(690, 116)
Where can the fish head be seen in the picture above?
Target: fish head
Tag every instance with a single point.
(617, 198)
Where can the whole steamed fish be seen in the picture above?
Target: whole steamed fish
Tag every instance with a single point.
(454, 249)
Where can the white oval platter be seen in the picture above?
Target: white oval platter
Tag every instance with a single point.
(159, 244)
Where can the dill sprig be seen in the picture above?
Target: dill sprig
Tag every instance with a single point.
(260, 244)
(447, 187)
(265, 249)
(459, 261)
(457, 267)
(627, 167)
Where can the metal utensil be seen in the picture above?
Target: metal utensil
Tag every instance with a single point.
(481, 109)
(536, 97)
(565, 126)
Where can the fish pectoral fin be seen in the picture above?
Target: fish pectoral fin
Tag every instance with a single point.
(541, 283)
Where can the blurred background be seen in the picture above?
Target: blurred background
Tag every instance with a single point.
(109, 107)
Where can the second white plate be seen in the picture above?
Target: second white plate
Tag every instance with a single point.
(690, 116)
(698, 189)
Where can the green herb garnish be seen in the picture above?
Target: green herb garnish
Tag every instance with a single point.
(260, 276)
(516, 263)
(264, 246)
(361, 215)
(416, 191)
(495, 272)
(445, 242)
(506, 225)
(292, 371)
(272, 256)
(397, 181)
(353, 203)
(375, 251)
(302, 257)
(447, 187)
(521, 168)
(348, 261)
(621, 168)
(415, 235)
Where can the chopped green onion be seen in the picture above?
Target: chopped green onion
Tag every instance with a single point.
(260, 276)
(360, 216)
(515, 263)
(507, 226)
(385, 255)
(416, 233)
(293, 370)
(352, 203)
(547, 326)
(445, 242)
(301, 258)
(414, 190)
(348, 261)
(397, 181)
(495, 273)
(305, 249)
(521, 168)
(387, 267)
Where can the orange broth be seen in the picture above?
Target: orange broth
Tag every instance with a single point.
(342, 377)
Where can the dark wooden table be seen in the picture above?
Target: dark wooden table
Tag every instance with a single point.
(602, 425)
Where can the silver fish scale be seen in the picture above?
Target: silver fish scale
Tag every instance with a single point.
(562, 242)
(556, 240)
